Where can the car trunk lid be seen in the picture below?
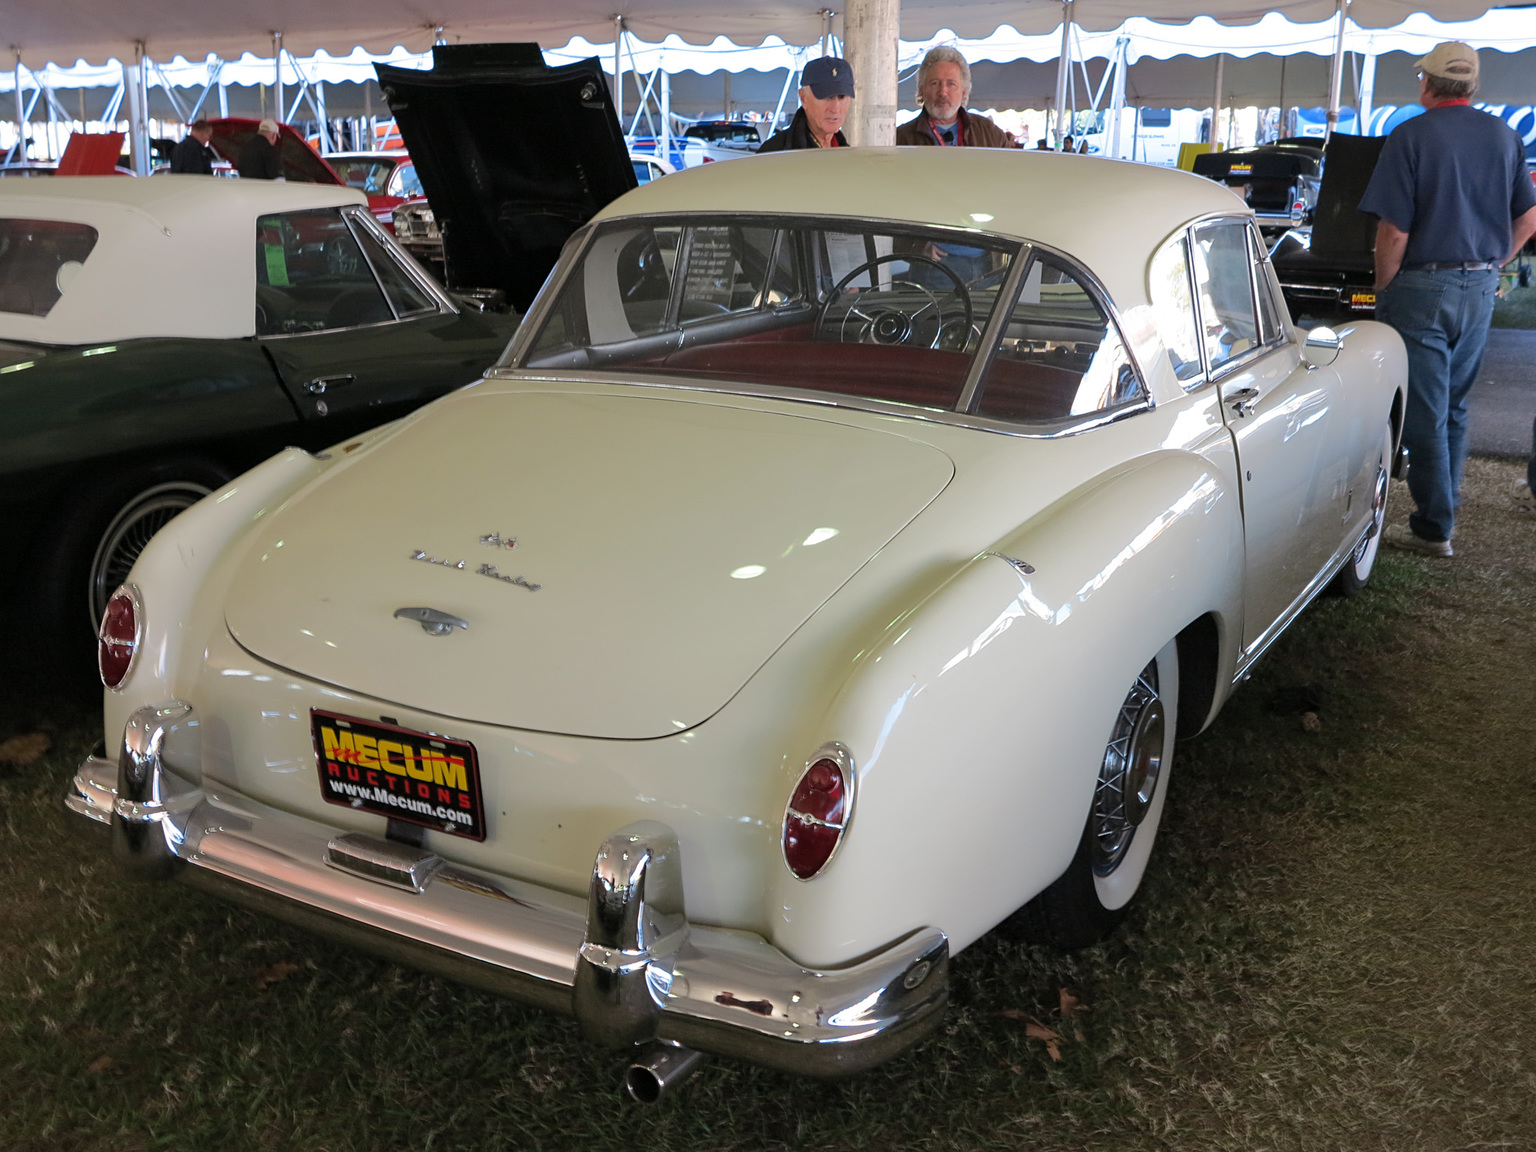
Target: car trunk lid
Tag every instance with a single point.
(664, 549)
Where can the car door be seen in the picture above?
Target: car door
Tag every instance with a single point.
(1277, 410)
(357, 333)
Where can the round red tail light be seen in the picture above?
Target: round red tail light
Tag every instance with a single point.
(118, 636)
(817, 814)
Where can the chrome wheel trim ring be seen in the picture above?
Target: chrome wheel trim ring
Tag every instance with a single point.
(1365, 552)
(1127, 783)
(131, 529)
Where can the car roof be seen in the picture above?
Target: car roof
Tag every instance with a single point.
(189, 238)
(1109, 214)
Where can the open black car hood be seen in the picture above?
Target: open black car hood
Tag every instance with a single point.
(1338, 226)
(513, 155)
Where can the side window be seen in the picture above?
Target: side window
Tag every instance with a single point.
(628, 282)
(405, 295)
(1059, 356)
(1224, 288)
(1174, 308)
(727, 268)
(311, 275)
(1271, 326)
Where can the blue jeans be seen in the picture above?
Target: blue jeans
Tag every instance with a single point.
(1443, 318)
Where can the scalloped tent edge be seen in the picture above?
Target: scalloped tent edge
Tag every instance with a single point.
(94, 31)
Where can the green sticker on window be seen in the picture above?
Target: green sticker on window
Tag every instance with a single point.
(277, 265)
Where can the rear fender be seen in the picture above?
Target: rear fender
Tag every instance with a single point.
(171, 571)
(978, 719)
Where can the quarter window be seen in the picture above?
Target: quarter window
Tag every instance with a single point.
(1224, 288)
(1174, 308)
(1270, 325)
(1059, 355)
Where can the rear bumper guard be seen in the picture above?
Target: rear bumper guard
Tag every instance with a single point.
(628, 965)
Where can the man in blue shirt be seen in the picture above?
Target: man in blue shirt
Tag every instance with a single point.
(1455, 203)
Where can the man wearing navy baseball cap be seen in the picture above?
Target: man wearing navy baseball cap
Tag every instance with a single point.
(826, 90)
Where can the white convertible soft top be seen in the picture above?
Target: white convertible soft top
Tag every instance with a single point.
(175, 255)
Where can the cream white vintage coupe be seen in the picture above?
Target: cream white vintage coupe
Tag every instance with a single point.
(822, 576)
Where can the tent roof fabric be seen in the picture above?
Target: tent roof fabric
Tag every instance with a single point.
(94, 31)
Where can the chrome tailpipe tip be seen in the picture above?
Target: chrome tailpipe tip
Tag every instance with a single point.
(658, 1069)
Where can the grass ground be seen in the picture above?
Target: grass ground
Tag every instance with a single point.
(1334, 951)
(1517, 308)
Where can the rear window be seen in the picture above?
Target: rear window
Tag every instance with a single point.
(39, 260)
(883, 313)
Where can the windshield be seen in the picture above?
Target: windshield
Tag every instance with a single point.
(866, 310)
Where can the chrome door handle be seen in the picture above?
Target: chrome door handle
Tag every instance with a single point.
(319, 384)
(1242, 399)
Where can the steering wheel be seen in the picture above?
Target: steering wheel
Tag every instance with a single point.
(882, 316)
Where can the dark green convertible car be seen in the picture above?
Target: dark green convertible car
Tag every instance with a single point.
(160, 336)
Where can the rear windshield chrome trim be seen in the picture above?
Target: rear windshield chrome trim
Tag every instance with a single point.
(1045, 430)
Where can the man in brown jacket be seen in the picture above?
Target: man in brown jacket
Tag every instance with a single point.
(943, 87)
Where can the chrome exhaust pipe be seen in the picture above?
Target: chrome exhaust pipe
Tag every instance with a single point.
(658, 1069)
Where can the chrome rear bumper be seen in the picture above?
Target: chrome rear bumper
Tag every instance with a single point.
(626, 961)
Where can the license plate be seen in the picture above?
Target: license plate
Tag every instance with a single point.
(406, 775)
(1362, 301)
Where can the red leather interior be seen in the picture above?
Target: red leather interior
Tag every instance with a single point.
(1012, 390)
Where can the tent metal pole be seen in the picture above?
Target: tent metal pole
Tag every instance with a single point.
(1117, 96)
(277, 74)
(1215, 138)
(826, 15)
(1063, 69)
(53, 121)
(789, 81)
(1336, 74)
(664, 136)
(1367, 90)
(618, 68)
(213, 74)
(170, 93)
(19, 148)
(115, 104)
(138, 110)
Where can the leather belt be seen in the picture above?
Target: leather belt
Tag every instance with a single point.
(1467, 266)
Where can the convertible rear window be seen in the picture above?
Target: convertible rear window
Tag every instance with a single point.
(881, 312)
(39, 259)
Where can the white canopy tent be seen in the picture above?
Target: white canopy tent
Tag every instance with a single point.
(94, 31)
(1264, 60)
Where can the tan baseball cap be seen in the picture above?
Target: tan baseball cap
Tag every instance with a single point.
(1452, 60)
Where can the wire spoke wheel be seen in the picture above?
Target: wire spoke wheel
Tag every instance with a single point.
(130, 531)
(1133, 762)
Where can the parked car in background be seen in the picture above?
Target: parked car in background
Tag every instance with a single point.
(301, 164)
(823, 575)
(1278, 181)
(388, 179)
(416, 227)
(1328, 272)
(513, 156)
(158, 337)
